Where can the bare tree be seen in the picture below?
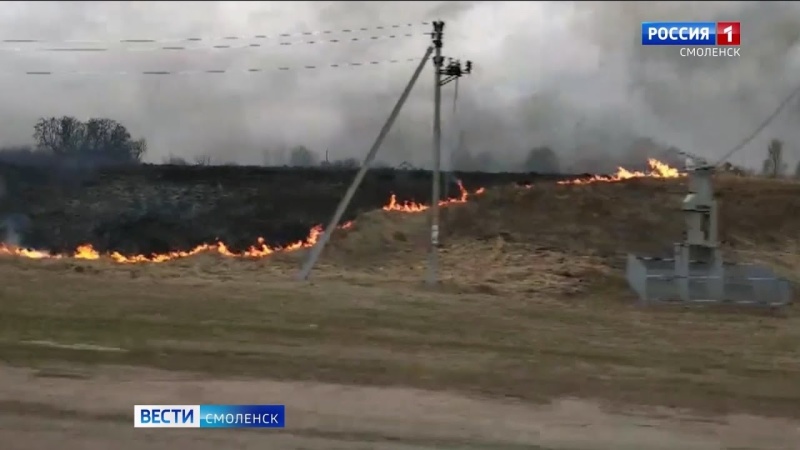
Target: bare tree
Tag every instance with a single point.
(774, 166)
(96, 138)
(59, 136)
(302, 157)
(202, 160)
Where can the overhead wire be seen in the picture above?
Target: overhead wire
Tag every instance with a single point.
(207, 39)
(760, 128)
(213, 47)
(254, 70)
(326, 38)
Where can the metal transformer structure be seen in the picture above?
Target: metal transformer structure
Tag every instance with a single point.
(696, 272)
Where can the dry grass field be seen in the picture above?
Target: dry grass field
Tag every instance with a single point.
(532, 340)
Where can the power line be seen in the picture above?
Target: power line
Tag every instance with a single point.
(213, 47)
(255, 70)
(218, 38)
(761, 127)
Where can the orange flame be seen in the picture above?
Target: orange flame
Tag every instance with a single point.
(413, 207)
(658, 169)
(260, 250)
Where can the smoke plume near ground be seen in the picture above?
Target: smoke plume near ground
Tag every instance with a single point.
(9, 234)
(572, 76)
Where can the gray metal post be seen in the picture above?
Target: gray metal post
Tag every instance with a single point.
(316, 251)
(433, 255)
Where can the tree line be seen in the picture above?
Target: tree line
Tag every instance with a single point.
(106, 141)
(103, 141)
(538, 159)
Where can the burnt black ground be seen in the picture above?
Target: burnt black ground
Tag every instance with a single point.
(156, 208)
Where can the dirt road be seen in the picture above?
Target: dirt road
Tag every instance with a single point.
(69, 409)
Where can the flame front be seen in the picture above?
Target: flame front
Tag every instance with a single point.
(413, 207)
(259, 250)
(658, 169)
(262, 250)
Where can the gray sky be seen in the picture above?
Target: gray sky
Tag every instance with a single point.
(569, 75)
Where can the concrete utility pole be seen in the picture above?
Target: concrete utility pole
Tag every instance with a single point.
(453, 71)
(433, 255)
(316, 251)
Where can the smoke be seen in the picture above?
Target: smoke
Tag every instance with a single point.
(569, 75)
(10, 234)
(706, 106)
(12, 225)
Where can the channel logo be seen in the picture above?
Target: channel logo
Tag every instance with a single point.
(209, 416)
(690, 34)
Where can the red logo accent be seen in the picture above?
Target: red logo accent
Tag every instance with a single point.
(729, 33)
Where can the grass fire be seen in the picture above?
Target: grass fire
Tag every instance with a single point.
(261, 249)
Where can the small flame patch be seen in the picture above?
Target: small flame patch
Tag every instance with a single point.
(658, 169)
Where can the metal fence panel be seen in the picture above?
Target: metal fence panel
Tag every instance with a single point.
(654, 280)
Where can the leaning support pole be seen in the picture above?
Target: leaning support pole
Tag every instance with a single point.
(316, 251)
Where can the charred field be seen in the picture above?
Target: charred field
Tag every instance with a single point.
(159, 208)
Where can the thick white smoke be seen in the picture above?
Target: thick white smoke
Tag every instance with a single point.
(569, 75)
